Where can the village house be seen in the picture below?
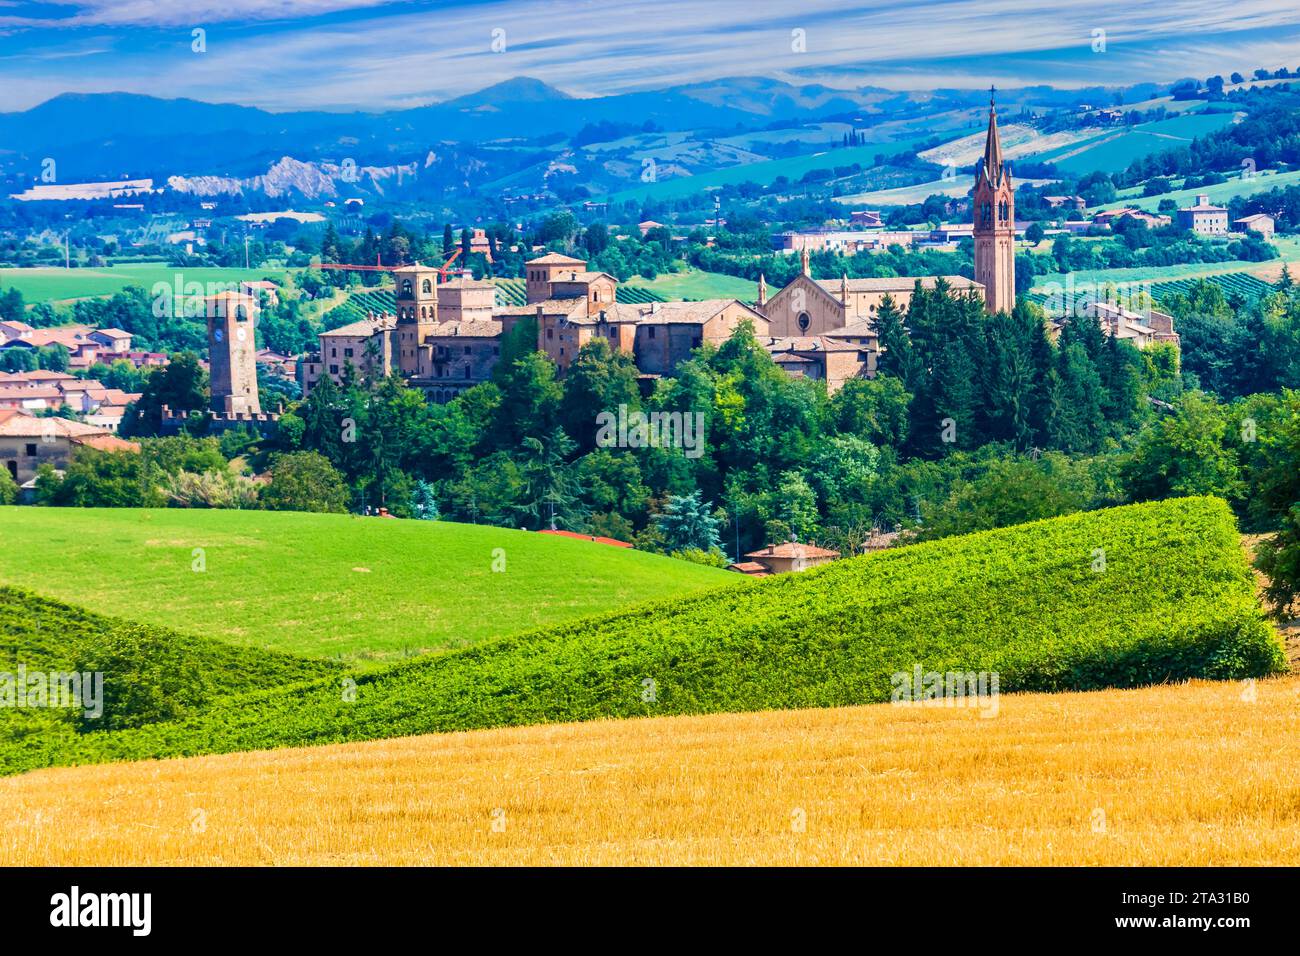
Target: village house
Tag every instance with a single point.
(667, 332)
(1261, 223)
(783, 558)
(1204, 219)
(366, 345)
(27, 442)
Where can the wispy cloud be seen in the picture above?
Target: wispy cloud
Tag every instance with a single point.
(339, 54)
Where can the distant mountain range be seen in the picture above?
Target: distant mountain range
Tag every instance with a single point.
(505, 129)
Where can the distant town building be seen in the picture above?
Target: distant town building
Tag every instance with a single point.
(27, 442)
(1261, 223)
(784, 558)
(1204, 219)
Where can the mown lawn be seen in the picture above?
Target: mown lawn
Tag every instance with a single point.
(362, 589)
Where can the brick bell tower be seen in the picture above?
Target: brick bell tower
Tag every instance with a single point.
(995, 223)
(417, 313)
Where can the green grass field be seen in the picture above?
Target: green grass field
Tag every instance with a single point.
(1143, 594)
(1220, 193)
(1113, 150)
(793, 168)
(362, 589)
(697, 284)
(60, 285)
(1151, 274)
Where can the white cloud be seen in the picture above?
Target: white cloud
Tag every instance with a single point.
(414, 53)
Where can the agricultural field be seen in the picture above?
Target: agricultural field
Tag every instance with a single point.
(765, 172)
(1243, 284)
(694, 284)
(1152, 275)
(1124, 597)
(63, 285)
(363, 590)
(1219, 193)
(356, 306)
(1177, 774)
(1113, 150)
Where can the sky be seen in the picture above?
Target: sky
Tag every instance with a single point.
(375, 55)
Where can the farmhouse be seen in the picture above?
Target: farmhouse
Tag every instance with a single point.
(27, 442)
(1204, 219)
(784, 558)
(1261, 223)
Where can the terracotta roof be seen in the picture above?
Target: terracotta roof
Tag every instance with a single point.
(793, 549)
(752, 568)
(587, 537)
(114, 333)
(18, 424)
(695, 313)
(106, 442)
(364, 326)
(28, 392)
(468, 329)
(566, 306)
(556, 259)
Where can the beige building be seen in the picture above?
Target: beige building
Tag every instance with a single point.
(27, 442)
(1140, 329)
(847, 353)
(783, 558)
(367, 345)
(1204, 219)
(1261, 223)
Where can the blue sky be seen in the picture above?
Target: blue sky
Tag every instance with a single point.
(370, 54)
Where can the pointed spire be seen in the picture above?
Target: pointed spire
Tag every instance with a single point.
(844, 287)
(803, 261)
(993, 143)
(762, 289)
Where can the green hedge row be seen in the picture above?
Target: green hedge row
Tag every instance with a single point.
(1118, 598)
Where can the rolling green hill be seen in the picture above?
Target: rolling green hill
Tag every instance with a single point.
(1128, 596)
(1113, 150)
(362, 589)
(54, 284)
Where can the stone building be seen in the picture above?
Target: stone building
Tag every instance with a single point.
(368, 345)
(809, 307)
(1204, 219)
(667, 332)
(27, 442)
(232, 353)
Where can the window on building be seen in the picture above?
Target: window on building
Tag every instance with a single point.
(804, 321)
(31, 450)
(334, 369)
(650, 332)
(407, 288)
(347, 353)
(427, 285)
(550, 333)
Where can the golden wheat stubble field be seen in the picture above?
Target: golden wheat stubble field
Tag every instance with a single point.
(1200, 773)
